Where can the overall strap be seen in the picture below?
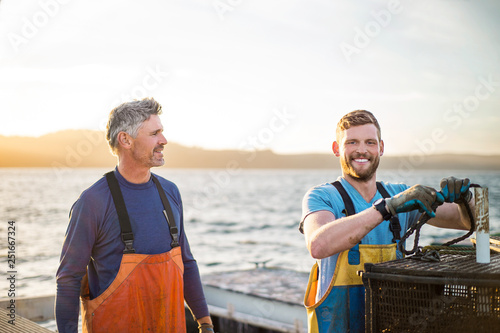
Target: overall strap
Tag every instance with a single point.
(382, 190)
(121, 210)
(349, 206)
(394, 225)
(353, 256)
(167, 212)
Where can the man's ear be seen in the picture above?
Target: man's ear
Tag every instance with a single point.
(124, 140)
(381, 147)
(335, 148)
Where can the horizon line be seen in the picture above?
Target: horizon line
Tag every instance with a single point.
(311, 152)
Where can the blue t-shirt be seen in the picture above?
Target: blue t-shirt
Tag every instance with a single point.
(326, 197)
(93, 239)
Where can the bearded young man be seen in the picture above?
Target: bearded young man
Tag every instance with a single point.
(357, 220)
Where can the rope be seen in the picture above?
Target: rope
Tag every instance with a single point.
(472, 226)
(431, 253)
(442, 249)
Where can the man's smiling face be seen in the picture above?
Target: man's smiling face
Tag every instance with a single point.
(147, 147)
(359, 151)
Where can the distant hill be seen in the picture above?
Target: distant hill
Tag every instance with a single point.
(83, 148)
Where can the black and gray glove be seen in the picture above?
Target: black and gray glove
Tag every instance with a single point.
(416, 197)
(455, 189)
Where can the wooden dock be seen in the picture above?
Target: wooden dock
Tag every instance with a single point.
(262, 298)
(18, 324)
(258, 300)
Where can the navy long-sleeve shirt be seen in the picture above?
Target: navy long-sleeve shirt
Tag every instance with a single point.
(93, 240)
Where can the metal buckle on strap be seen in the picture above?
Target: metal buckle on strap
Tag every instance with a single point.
(175, 237)
(395, 228)
(174, 232)
(128, 239)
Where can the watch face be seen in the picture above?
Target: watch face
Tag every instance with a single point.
(380, 206)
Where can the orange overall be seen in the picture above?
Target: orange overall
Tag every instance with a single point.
(147, 294)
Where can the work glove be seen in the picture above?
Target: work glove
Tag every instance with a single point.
(206, 328)
(416, 197)
(455, 190)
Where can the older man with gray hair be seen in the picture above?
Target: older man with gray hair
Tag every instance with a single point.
(125, 253)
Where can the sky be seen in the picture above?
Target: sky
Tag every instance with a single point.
(259, 74)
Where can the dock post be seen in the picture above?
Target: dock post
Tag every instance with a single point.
(482, 217)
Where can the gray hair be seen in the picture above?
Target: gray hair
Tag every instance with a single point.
(128, 117)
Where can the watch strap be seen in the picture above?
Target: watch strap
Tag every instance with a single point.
(381, 207)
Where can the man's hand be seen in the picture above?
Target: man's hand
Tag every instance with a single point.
(455, 190)
(416, 197)
(206, 328)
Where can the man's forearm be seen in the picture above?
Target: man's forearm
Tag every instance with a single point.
(193, 290)
(464, 216)
(326, 238)
(452, 216)
(66, 312)
(205, 320)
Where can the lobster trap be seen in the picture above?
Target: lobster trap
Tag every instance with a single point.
(455, 294)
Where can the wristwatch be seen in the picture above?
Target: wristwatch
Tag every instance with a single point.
(381, 207)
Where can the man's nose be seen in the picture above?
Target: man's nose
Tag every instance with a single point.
(163, 139)
(361, 148)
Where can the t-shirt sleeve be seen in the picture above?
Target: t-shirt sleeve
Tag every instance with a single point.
(316, 199)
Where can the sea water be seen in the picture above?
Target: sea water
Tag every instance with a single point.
(233, 218)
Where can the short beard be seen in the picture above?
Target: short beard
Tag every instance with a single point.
(349, 170)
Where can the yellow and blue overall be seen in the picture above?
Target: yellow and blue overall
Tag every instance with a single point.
(342, 307)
